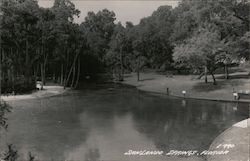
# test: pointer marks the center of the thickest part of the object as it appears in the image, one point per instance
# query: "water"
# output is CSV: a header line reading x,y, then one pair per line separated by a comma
x,y
103,123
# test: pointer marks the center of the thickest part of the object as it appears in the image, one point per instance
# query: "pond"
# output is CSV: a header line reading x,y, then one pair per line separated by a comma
x,y
105,121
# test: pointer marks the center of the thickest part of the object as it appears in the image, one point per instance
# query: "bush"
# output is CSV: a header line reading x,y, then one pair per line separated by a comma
x,y
21,85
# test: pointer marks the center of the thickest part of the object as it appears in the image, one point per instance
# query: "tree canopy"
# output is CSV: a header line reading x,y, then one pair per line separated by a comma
x,y
40,43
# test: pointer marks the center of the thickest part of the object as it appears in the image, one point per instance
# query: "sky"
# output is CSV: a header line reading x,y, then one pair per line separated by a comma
x,y
125,10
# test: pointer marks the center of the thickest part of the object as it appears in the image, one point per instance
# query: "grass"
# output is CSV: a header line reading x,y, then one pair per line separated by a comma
x,y
155,82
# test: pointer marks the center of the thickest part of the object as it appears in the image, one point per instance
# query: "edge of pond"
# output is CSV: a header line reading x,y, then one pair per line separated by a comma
x,y
181,97
50,91
60,91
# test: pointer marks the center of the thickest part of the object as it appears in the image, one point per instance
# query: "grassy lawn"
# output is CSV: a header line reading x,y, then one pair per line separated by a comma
x,y
195,88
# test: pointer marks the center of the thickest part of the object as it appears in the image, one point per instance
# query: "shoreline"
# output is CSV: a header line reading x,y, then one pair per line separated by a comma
x,y
158,84
190,98
48,91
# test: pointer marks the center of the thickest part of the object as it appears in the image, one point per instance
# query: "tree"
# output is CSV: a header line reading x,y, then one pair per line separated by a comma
x,y
45,42
98,28
229,18
150,41
18,34
116,53
138,58
200,51
155,34
185,22
68,43
46,45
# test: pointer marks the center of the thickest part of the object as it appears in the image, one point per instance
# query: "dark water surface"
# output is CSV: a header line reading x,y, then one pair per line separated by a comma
x,y
103,123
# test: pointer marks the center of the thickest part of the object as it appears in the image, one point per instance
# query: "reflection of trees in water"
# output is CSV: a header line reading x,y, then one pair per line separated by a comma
x,y
105,105
92,155
51,131
66,123
174,126
4,108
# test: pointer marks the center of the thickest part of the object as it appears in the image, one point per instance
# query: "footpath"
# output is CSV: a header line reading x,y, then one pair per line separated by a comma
x,y
47,91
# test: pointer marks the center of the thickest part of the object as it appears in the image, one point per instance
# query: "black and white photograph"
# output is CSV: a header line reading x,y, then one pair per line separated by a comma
x,y
124,80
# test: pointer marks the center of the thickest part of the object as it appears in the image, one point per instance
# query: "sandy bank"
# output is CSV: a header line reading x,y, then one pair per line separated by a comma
x,y
48,91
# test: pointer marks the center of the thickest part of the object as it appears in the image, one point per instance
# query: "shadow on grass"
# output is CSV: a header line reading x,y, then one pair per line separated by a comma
x,y
146,79
207,87
236,76
127,76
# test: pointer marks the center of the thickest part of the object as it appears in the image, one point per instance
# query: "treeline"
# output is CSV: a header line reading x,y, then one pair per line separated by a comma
x,y
37,40
46,43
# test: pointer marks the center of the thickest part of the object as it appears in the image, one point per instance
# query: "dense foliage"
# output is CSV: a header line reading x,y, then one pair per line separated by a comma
x,y
45,43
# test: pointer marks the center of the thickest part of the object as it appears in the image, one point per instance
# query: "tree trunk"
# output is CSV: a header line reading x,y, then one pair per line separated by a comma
x,y
42,75
12,74
54,76
73,77
66,69
27,63
138,69
36,68
78,73
1,75
44,68
73,64
113,74
226,72
35,73
61,81
121,60
214,83
205,74
13,79
138,75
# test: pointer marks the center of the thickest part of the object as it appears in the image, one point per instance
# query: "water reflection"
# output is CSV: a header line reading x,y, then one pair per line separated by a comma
x,y
99,124
46,127
92,155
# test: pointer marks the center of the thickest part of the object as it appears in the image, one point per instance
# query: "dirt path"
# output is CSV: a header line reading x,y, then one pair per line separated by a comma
x,y
48,91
